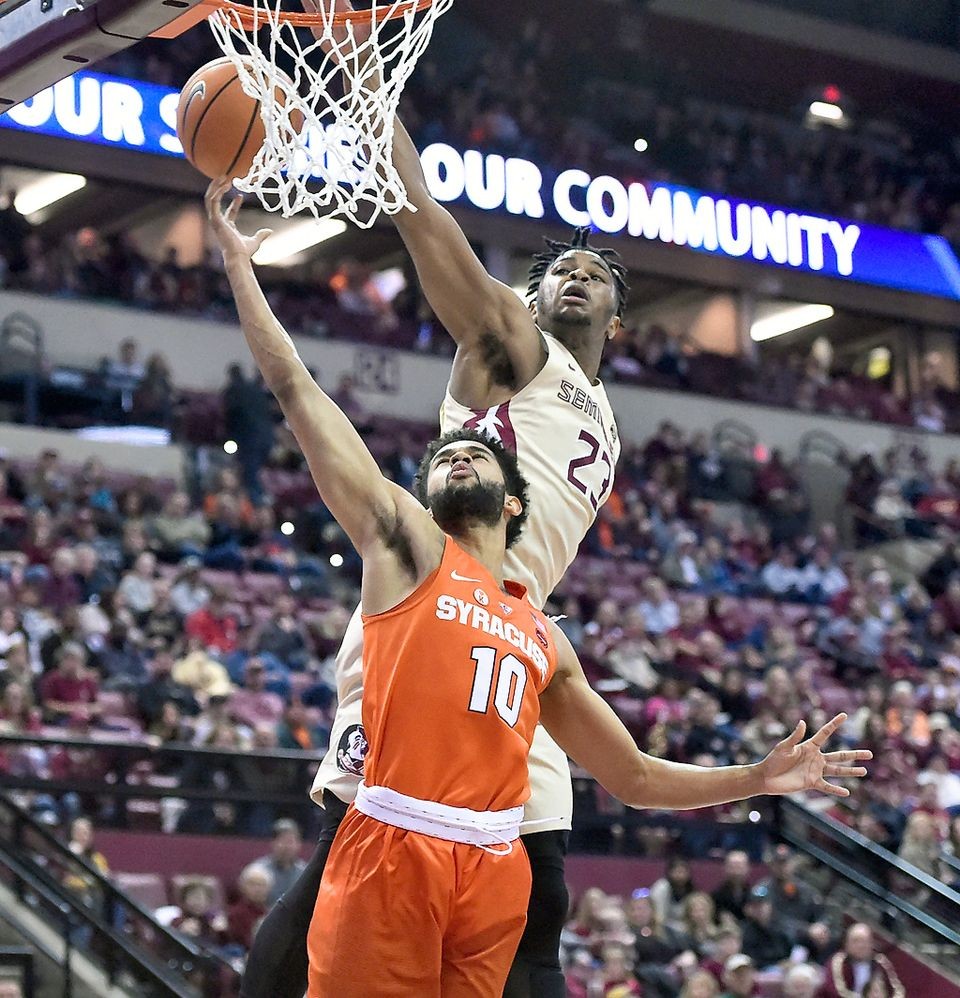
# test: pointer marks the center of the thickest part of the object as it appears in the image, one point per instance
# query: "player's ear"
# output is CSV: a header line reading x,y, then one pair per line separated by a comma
x,y
512,506
615,324
532,306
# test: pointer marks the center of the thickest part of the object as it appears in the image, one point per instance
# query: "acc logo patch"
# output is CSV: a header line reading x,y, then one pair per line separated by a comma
x,y
351,750
481,597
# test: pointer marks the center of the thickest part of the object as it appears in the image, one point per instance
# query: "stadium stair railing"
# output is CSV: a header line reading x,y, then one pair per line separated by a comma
x,y
95,918
918,911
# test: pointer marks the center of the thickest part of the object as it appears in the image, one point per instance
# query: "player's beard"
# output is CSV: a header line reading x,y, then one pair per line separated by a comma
x,y
455,507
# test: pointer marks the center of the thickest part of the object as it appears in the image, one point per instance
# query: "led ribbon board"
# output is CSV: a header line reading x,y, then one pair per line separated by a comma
x,y
127,114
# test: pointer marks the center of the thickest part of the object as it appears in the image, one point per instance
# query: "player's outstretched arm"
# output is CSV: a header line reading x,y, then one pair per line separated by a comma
x,y
471,305
363,502
588,730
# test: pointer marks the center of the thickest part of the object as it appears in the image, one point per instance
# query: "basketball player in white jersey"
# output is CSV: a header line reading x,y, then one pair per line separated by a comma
x,y
528,377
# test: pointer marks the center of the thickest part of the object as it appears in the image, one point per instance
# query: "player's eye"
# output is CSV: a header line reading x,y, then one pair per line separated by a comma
x,y
597,277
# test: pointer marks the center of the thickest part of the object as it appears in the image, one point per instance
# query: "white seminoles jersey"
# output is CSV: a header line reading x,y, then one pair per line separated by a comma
x,y
565,438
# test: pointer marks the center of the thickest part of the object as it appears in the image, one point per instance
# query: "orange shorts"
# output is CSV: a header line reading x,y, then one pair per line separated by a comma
x,y
404,914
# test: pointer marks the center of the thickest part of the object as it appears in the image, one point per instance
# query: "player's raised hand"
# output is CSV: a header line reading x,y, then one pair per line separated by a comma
x,y
224,222
801,765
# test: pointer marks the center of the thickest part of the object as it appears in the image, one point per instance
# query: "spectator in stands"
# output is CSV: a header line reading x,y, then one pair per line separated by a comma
x,y
586,926
615,978
161,688
124,373
295,731
214,625
921,844
283,862
905,720
203,674
660,613
284,637
796,906
245,914
939,775
153,396
94,577
781,578
178,533
70,690
699,921
654,943
802,980
852,969
668,894
763,940
253,704
61,588
163,624
17,668
739,977
189,593
138,586
732,892
17,712
701,985
822,578
199,919
121,659
248,420
11,630
81,844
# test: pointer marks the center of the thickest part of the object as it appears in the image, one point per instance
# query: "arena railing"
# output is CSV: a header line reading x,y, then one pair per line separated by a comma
x,y
260,786
118,773
116,933
917,909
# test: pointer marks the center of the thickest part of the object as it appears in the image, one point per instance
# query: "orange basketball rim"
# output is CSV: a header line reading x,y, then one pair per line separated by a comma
x,y
249,18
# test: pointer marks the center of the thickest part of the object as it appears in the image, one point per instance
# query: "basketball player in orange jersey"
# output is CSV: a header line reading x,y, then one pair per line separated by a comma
x,y
528,377
426,889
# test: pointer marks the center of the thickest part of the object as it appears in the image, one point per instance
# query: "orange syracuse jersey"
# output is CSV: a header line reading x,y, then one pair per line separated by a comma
x,y
451,684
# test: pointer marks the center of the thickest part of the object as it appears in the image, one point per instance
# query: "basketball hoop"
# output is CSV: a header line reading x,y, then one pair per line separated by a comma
x,y
339,161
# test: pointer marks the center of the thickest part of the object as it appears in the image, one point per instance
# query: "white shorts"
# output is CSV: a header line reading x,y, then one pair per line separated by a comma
x,y
551,793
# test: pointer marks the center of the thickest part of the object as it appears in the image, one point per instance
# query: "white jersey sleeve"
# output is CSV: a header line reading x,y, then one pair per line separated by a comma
x,y
562,429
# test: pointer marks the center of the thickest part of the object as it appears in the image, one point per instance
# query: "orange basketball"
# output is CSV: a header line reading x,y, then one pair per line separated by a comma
x,y
218,124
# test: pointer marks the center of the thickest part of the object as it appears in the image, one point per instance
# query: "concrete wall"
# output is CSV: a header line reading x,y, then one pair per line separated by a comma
x,y
409,385
24,442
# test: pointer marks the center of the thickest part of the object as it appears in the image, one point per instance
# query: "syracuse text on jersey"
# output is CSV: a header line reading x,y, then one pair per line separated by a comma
x,y
469,614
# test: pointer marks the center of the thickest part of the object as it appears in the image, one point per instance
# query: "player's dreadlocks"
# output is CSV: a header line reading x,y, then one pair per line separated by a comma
x,y
556,249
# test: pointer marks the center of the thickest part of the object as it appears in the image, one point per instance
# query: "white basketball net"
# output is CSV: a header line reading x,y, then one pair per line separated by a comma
x,y
339,162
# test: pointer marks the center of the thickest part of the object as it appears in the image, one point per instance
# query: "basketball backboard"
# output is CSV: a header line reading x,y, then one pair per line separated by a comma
x,y
43,41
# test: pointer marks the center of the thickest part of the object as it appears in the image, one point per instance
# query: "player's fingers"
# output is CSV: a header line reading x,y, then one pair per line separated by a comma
x,y
795,736
832,789
218,187
824,734
843,772
259,237
234,210
849,755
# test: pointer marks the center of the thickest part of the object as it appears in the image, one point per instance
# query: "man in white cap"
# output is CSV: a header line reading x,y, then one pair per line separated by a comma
x,y
739,977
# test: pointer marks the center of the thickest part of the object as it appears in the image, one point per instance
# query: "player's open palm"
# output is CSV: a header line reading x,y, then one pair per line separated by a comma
x,y
802,765
224,222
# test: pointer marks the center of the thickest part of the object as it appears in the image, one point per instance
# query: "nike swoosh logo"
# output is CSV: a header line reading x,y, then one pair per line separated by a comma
x,y
457,577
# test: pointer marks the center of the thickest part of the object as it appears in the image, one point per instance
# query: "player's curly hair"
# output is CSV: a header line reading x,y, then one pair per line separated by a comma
x,y
580,241
514,482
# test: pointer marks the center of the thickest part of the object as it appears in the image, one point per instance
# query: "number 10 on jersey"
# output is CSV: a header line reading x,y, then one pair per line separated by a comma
x,y
509,679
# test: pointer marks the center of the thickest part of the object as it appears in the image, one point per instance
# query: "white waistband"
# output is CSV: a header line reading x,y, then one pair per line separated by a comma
x,y
455,824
